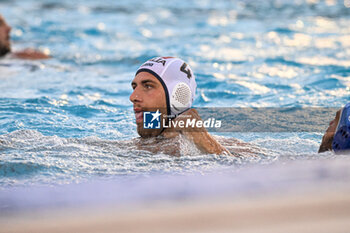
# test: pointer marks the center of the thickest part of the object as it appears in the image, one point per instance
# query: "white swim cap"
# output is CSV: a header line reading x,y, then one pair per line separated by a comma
x,y
177,80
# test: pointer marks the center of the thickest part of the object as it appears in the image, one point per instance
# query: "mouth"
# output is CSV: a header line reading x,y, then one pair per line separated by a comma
x,y
138,115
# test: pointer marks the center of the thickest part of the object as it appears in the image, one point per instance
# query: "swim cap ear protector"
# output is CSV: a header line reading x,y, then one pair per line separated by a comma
x,y
341,140
177,80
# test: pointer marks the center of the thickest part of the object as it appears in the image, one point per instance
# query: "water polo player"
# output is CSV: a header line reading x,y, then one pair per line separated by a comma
x,y
166,86
5,45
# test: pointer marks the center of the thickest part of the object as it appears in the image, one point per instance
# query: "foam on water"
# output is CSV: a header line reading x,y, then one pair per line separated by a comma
x,y
29,157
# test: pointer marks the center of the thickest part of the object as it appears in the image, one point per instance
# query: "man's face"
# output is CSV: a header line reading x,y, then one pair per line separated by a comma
x,y
5,29
148,95
327,139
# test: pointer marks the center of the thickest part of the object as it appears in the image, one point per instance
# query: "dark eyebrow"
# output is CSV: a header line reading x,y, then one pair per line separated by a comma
x,y
148,81
144,82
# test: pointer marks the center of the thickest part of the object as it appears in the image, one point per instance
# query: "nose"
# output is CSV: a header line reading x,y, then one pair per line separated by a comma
x,y
135,96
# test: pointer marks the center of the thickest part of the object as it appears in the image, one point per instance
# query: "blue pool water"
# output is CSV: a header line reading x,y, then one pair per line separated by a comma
x,y
69,119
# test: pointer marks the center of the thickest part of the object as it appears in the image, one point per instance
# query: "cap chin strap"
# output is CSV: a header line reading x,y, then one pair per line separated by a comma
x,y
176,115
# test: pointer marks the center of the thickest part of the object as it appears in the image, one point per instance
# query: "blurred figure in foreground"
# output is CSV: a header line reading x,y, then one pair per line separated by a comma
x,y
5,45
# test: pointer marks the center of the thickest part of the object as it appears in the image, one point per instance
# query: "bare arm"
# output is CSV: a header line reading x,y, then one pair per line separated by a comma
x,y
199,136
30,54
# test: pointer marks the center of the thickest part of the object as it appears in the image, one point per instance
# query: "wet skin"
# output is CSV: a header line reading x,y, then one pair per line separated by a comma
x,y
148,95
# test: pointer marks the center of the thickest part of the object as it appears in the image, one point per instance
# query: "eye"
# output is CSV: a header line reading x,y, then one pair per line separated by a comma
x,y
148,86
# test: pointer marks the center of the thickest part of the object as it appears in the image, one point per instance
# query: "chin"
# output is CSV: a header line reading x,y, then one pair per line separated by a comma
x,y
146,133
